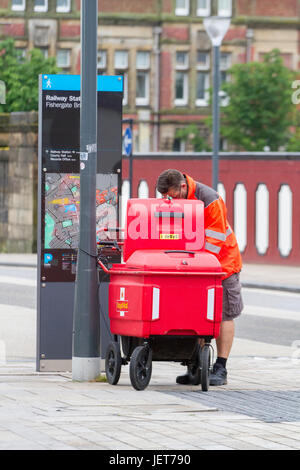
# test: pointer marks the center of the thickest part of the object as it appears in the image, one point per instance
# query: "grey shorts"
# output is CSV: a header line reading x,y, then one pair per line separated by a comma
x,y
232,297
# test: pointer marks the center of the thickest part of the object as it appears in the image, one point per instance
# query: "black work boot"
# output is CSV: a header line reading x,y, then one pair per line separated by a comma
x,y
184,379
218,376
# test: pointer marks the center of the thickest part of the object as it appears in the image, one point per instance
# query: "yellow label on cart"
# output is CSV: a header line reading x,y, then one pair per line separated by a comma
x,y
169,236
122,305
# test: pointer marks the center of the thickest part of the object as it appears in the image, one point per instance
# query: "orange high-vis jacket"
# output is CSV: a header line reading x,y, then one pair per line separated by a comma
x,y
219,236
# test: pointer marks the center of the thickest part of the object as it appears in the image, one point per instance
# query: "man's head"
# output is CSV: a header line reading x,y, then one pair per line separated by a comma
x,y
172,183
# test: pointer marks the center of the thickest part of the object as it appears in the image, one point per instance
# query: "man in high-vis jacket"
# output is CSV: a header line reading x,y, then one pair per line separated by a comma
x,y
221,241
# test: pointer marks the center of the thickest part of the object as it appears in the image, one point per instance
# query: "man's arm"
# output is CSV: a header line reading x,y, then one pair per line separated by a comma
x,y
215,226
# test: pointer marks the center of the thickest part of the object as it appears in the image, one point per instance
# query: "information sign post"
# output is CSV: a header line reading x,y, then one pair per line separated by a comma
x,y
59,205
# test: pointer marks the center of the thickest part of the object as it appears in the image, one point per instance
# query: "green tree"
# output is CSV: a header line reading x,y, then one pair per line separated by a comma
x,y
260,108
20,76
294,142
191,134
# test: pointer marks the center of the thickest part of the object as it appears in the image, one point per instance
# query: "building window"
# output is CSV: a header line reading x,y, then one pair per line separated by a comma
x,y
40,5
203,78
182,60
203,60
142,78
63,6
121,68
179,145
181,89
203,7
182,7
202,91
18,5
143,60
63,58
101,62
181,78
225,64
121,60
225,8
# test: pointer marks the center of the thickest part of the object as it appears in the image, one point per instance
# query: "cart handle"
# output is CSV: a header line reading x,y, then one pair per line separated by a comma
x,y
156,273
113,244
181,251
111,229
110,243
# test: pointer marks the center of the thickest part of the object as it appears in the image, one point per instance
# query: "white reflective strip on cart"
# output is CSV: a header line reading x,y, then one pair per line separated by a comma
x,y
122,293
210,304
155,303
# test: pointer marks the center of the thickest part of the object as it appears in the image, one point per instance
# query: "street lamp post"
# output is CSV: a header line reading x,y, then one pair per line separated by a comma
x,y
86,329
216,28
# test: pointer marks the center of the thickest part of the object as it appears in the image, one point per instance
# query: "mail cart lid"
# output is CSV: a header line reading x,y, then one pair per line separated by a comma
x,y
173,260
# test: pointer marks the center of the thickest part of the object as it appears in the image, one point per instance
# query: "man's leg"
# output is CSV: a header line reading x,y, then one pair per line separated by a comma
x,y
232,308
224,345
225,339
218,375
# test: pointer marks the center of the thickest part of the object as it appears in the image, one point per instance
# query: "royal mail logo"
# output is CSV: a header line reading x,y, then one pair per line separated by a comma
x,y
122,305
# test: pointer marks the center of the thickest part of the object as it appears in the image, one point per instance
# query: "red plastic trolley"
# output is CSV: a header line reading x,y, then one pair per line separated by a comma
x,y
166,294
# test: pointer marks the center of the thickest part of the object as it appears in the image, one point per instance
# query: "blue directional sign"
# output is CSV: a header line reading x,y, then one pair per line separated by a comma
x,y
73,83
127,142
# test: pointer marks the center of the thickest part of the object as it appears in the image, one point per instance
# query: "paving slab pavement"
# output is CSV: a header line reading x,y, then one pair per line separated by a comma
x,y
258,409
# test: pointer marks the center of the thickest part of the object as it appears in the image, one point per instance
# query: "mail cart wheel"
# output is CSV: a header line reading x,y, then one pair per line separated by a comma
x,y
205,367
113,363
140,368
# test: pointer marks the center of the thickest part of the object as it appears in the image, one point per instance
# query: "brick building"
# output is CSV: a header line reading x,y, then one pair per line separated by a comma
x,y
161,48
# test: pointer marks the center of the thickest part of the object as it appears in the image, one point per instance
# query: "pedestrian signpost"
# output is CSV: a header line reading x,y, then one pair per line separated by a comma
x,y
127,142
59,205
128,148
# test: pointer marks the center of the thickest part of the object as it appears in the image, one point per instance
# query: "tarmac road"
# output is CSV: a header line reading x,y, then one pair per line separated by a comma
x,y
270,316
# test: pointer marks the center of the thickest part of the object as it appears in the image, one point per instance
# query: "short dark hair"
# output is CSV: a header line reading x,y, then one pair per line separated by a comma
x,y
169,179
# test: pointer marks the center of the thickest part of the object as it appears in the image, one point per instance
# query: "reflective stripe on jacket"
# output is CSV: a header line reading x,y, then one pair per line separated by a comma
x,y
219,236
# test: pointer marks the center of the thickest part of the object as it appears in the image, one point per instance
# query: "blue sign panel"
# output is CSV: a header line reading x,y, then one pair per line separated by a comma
x,y
73,83
127,142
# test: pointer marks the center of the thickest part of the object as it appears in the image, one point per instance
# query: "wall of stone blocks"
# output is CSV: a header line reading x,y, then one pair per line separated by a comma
x,y
18,158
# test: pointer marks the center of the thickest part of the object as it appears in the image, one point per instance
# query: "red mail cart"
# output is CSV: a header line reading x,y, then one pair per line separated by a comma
x,y
167,293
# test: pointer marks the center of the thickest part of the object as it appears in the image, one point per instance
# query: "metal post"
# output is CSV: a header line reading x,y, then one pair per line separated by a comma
x,y
130,160
130,122
157,33
216,117
86,333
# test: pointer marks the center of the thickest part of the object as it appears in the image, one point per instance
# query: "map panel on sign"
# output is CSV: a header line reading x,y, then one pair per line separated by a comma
x,y
62,209
62,192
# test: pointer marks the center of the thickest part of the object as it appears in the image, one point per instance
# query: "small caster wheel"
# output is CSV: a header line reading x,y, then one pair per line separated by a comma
x,y
113,363
140,368
205,367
